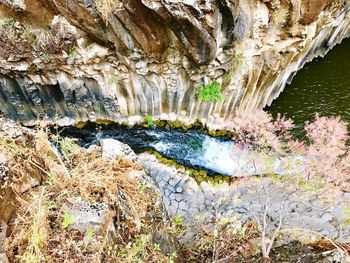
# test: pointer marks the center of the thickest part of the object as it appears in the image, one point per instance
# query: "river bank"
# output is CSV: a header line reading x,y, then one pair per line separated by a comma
x,y
191,209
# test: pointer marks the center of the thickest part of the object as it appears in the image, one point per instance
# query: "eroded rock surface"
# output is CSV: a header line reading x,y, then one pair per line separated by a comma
x,y
88,60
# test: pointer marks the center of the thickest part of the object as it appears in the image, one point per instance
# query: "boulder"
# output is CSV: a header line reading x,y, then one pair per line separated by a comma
x,y
113,149
86,216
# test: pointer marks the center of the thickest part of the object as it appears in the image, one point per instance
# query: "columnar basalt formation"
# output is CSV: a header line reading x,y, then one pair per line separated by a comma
x,y
111,59
306,214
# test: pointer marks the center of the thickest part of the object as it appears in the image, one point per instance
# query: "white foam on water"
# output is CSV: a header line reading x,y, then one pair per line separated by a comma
x,y
223,157
227,158
161,146
157,135
216,156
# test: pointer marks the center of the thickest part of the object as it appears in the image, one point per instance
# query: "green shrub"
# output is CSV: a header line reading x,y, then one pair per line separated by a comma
x,y
210,92
67,220
114,80
7,26
149,120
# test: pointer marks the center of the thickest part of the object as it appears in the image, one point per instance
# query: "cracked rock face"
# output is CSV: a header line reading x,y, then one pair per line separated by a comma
x,y
88,60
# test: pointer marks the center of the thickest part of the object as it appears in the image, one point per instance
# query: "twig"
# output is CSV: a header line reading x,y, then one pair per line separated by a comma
x,y
278,227
314,232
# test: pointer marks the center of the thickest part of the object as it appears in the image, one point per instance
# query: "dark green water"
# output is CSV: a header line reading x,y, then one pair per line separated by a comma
x,y
322,86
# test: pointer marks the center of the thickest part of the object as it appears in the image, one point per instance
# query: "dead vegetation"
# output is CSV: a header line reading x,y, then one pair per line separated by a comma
x,y
36,45
106,8
42,180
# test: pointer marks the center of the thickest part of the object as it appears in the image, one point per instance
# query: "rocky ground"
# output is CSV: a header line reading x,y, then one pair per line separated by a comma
x,y
62,203
305,217
194,210
183,196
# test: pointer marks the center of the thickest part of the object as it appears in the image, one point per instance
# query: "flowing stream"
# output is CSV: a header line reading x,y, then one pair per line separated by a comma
x,y
216,155
191,148
323,86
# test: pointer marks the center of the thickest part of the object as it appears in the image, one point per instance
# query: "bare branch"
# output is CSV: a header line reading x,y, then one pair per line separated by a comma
x,y
278,227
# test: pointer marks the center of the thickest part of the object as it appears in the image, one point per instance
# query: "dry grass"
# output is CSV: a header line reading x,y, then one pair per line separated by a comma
x,y
37,230
44,179
42,39
32,224
225,240
280,17
106,8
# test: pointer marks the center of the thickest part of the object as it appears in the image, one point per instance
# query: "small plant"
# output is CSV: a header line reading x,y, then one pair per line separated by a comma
x,y
156,247
216,184
67,146
210,92
177,225
67,220
149,120
7,25
89,47
44,56
138,249
72,52
179,220
28,35
7,21
280,17
115,80
346,215
172,257
143,186
89,235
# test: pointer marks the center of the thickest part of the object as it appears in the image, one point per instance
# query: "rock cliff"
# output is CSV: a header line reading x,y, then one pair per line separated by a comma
x,y
77,60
